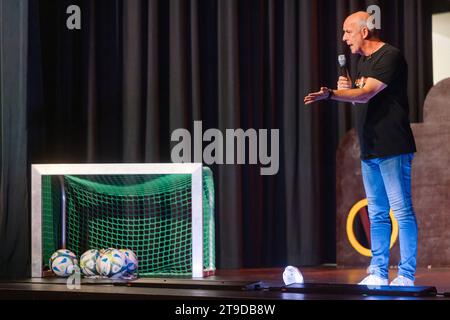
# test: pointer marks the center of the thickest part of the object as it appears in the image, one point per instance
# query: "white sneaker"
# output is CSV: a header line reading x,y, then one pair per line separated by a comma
x,y
374,280
402,281
292,275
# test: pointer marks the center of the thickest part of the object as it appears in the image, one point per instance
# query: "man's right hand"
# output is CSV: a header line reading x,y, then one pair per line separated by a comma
x,y
344,83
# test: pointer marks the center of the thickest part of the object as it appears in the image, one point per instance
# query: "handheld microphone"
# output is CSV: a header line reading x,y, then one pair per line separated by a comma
x,y
343,71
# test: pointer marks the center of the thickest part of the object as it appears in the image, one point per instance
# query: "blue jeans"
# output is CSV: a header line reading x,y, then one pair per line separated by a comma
x,y
387,182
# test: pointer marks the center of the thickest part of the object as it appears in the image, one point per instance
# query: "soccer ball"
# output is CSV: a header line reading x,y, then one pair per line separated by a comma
x,y
88,261
103,251
112,264
63,262
131,260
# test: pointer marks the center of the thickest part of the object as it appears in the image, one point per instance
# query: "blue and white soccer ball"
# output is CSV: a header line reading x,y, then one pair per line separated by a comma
x,y
103,251
112,264
88,262
131,260
63,262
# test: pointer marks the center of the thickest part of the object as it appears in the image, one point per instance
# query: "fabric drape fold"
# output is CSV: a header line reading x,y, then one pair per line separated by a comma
x,y
14,176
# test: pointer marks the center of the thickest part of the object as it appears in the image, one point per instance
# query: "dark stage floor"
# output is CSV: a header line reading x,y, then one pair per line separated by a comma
x,y
321,283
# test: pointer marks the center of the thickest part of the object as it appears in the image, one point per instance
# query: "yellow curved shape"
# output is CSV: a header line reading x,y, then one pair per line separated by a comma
x,y
351,235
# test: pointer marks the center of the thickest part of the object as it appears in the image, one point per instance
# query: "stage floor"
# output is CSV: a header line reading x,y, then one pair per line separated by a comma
x,y
244,284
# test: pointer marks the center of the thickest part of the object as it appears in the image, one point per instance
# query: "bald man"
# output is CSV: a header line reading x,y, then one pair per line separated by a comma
x,y
379,95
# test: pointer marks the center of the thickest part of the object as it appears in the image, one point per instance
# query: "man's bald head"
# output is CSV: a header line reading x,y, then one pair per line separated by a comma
x,y
359,19
359,31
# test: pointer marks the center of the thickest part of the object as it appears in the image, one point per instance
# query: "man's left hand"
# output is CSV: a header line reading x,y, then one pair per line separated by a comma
x,y
317,96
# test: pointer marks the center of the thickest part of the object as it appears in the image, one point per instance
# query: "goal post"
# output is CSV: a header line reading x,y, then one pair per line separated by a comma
x,y
164,212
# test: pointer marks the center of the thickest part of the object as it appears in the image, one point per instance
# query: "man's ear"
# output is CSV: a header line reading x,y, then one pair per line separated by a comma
x,y
365,33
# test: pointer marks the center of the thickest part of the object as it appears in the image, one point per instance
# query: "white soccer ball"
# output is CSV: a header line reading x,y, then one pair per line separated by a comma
x,y
112,264
131,260
63,262
103,251
88,262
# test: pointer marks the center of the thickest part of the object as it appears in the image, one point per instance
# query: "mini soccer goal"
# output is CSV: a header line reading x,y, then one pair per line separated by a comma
x,y
163,212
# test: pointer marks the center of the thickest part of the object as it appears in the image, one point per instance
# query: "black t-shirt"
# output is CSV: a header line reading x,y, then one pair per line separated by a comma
x,y
383,123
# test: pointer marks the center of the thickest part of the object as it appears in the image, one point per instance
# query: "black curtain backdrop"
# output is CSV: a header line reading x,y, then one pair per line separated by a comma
x,y
137,70
14,196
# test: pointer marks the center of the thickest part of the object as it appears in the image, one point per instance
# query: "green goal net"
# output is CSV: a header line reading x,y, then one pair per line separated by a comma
x,y
149,214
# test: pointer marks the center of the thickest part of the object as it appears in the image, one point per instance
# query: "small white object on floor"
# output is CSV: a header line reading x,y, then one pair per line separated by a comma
x,y
292,275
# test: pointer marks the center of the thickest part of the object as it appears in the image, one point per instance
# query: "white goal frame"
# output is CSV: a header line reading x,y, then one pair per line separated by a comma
x,y
39,170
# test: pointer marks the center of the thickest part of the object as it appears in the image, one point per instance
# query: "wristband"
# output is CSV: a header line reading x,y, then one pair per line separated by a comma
x,y
330,94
